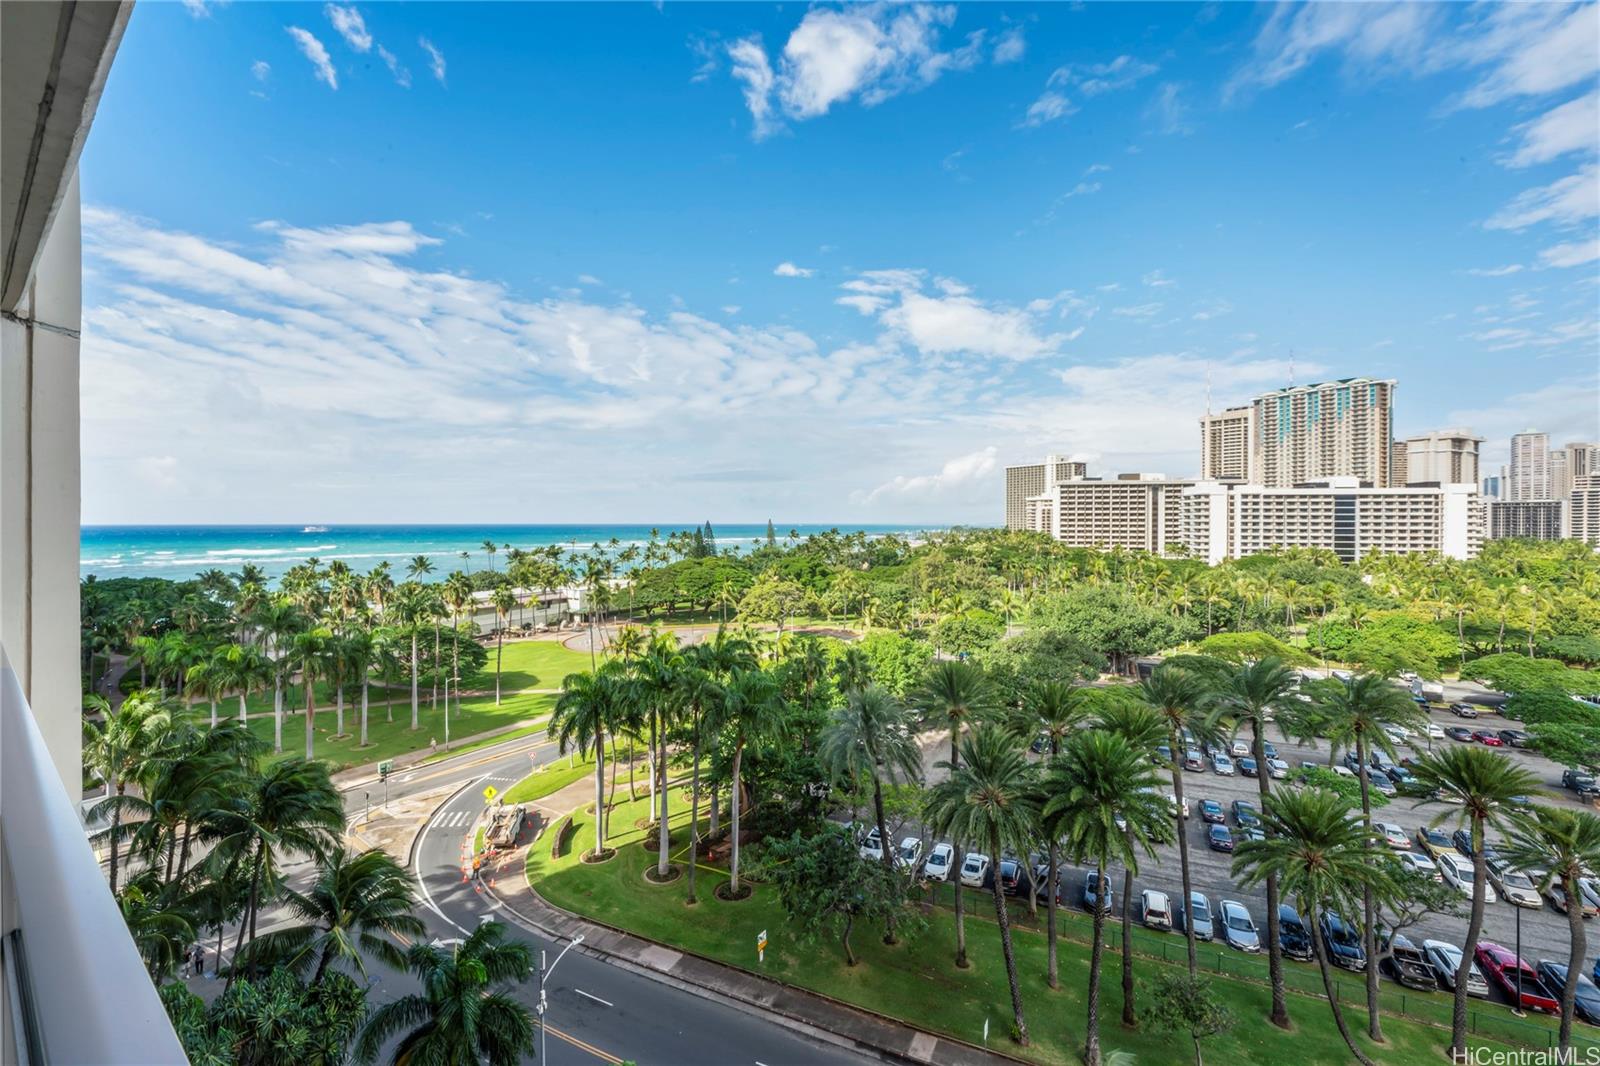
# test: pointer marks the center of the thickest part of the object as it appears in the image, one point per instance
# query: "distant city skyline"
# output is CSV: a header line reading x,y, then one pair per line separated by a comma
x,y
522,263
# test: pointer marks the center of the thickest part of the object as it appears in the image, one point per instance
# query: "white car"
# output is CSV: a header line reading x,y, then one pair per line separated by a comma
x,y
1172,805
974,869
1393,835
872,846
1435,731
1446,960
1221,764
1515,886
1457,873
908,853
1421,864
1398,733
1239,749
1277,769
1156,909
940,859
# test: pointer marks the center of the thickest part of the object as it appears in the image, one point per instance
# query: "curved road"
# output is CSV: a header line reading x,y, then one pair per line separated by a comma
x,y
598,1012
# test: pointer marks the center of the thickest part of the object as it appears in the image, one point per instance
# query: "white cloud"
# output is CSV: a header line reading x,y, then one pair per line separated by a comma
x,y
589,279
435,59
955,473
1371,37
1495,272
260,70
314,51
787,269
1531,50
1565,202
1138,310
350,25
1572,253
401,75
1096,168
1097,78
869,53
948,321
1156,279
1050,106
196,8
1009,46
1168,110
1572,127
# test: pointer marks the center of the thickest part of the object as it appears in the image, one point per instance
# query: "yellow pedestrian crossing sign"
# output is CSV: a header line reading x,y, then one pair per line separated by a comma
x,y
490,793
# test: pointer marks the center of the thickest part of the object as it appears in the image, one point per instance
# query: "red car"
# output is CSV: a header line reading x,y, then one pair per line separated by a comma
x,y
1486,738
1501,964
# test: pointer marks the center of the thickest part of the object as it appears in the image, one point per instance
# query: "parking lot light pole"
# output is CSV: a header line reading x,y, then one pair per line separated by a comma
x,y
544,975
1516,1008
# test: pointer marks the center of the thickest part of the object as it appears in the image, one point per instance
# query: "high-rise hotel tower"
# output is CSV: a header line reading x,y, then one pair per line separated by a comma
x,y
1330,429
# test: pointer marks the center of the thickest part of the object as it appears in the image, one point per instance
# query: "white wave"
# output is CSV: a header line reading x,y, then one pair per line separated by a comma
x,y
287,552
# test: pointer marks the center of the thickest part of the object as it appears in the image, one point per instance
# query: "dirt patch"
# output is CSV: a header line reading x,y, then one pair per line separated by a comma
x,y
591,859
673,873
724,892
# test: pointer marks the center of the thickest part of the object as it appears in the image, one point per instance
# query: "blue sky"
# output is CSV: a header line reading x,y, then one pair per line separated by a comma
x,y
434,262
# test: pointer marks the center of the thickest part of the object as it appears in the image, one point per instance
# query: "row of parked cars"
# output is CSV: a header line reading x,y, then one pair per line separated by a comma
x,y
1225,758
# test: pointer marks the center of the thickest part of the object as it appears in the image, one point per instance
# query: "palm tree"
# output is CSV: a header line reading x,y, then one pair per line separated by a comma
x,y
1100,778
116,751
852,670
1247,695
751,709
1178,695
458,599
1566,845
245,667
505,601
657,676
1052,709
585,710
1320,856
489,548
280,621
465,1012
205,680
312,651
956,695
1485,789
1355,716
410,607
699,691
157,921
355,899
990,797
870,736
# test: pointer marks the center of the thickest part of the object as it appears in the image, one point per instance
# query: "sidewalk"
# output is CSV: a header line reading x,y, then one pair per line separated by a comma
x,y
816,1015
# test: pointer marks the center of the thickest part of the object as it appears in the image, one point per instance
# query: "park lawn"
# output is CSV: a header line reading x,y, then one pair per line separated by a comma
x,y
386,739
528,664
554,777
916,980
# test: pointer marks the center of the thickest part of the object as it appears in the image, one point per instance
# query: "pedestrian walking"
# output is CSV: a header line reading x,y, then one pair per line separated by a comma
x,y
433,745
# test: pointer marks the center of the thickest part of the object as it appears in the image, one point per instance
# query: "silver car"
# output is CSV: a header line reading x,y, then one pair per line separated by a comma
x,y
1238,928
1445,958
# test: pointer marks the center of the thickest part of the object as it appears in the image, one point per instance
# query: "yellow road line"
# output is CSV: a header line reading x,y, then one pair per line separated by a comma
x,y
604,1056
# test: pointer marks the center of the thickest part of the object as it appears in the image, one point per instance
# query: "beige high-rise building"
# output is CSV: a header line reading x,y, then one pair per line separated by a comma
x,y
1398,466
1330,429
1138,512
1583,509
1227,444
1528,477
1031,480
1443,457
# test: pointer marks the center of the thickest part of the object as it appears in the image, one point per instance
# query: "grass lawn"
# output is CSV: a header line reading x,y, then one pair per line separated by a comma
x,y
529,664
916,979
386,739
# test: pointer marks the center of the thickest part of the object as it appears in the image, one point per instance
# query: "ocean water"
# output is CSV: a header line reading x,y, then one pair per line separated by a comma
x,y
180,552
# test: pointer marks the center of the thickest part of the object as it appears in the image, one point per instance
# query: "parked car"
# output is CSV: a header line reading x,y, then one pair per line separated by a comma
x,y
1503,967
1269,749
1514,886
1588,904
1393,835
1219,838
1294,939
975,870
1199,912
1435,732
1404,780
1238,928
1459,732
1586,1000
1239,748
1463,710
1014,878
1211,811
909,853
1462,839
1155,909
872,846
939,861
1092,896
1435,841
1247,766
1192,760
1487,737
1419,864
1342,943
1221,764
1582,782
1172,806
1244,814
1445,958
1515,738
1277,769
1163,755
1406,963
1458,874
1379,782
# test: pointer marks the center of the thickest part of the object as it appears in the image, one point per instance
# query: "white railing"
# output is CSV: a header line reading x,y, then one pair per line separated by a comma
x,y
76,989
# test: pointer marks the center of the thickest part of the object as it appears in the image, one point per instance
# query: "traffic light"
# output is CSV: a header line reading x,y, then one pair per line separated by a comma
x,y
384,768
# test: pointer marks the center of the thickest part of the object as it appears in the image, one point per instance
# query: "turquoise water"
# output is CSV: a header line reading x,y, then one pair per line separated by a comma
x,y
180,552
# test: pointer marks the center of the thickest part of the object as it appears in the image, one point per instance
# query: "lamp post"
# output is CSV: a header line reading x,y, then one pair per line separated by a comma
x,y
1516,1008
447,682
544,974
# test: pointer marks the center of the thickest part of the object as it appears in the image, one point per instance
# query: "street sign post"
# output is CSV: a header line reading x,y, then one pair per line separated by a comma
x,y
761,946
384,769
490,793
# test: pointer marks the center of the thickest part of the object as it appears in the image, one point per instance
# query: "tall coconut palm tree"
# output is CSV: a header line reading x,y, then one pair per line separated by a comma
x,y
359,904
359,655
458,600
585,711
116,750
990,798
1565,844
956,695
465,1013
699,691
852,670
1053,710
245,668
1100,778
1483,789
418,568
157,921
870,737
1246,696
280,620
751,709
312,651
1319,855
505,601
1355,716
657,676
1178,695
410,608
